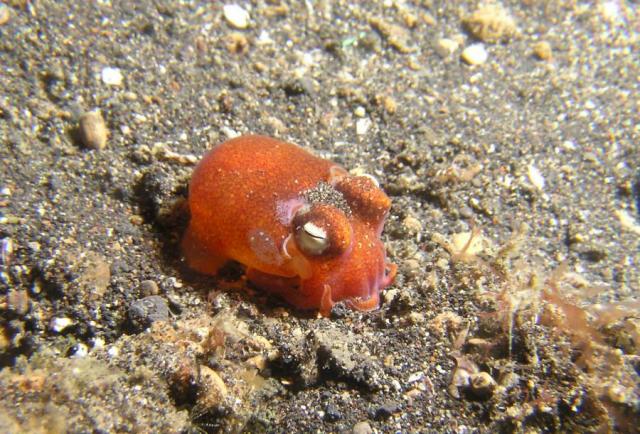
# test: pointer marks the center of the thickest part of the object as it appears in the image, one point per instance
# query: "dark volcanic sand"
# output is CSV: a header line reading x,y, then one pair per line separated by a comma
x,y
88,233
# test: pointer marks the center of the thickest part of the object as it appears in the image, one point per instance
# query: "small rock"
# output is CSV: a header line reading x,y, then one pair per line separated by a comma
x,y
412,225
618,394
475,54
113,351
416,318
98,343
389,295
543,50
57,325
398,37
490,23
6,251
130,96
343,357
468,244
331,413
144,312
18,301
362,126
297,360
412,266
466,211
340,310
5,14
445,47
149,287
482,384
237,43
111,76
95,276
93,131
276,124
390,104
119,266
5,342
627,221
156,193
360,112
236,16
299,86
593,253
610,11
212,388
386,410
362,428
535,177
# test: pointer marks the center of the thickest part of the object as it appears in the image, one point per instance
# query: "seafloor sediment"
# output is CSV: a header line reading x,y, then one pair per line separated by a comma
x,y
506,136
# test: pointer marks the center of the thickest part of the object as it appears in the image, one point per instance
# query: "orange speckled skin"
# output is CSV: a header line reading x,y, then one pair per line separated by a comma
x,y
243,198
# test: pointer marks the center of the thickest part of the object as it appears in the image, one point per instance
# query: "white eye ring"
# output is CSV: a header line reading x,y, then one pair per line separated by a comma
x,y
312,239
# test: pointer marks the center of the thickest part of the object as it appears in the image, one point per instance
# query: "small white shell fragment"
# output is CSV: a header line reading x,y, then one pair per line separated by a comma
x,y
475,54
236,16
229,132
627,221
610,11
93,130
445,47
57,325
98,343
535,177
111,76
460,243
362,126
5,14
6,250
416,376
113,351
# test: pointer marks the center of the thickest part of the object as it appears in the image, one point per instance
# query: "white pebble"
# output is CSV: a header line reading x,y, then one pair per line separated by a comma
x,y
627,221
6,250
416,376
535,177
93,130
59,324
236,16
98,343
5,14
229,132
445,47
362,126
475,54
111,76
610,11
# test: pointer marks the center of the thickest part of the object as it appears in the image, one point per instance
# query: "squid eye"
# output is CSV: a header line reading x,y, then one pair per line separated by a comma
x,y
322,231
312,239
